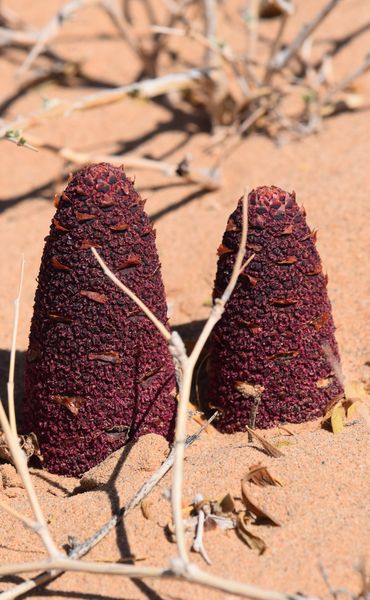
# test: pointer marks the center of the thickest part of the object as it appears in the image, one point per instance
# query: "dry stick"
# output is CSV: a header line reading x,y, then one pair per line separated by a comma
x,y
347,80
148,88
281,59
188,364
17,37
210,18
193,575
53,26
20,462
10,386
275,48
208,179
83,548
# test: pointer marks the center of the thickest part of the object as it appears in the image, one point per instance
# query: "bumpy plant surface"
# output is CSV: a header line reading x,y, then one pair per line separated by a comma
x,y
272,352
98,373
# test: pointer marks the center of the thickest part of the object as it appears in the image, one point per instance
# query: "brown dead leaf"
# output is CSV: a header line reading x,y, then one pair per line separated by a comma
x,y
251,506
260,475
227,504
252,541
270,449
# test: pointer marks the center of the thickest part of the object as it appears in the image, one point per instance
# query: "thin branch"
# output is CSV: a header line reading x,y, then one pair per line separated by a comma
x,y
52,28
10,386
206,178
281,59
347,80
17,37
188,364
21,465
192,574
148,88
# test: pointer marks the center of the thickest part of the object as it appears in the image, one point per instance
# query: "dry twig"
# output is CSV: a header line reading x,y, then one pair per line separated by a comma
x,y
148,88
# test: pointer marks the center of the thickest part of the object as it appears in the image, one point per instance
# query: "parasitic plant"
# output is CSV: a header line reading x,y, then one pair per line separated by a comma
x,y
272,352
98,373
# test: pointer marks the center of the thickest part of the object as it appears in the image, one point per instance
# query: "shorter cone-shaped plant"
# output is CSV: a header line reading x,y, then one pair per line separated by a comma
x,y
98,373
273,355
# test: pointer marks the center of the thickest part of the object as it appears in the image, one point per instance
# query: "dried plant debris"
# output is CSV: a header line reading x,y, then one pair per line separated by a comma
x,y
98,373
267,446
28,443
244,533
271,354
251,505
260,475
343,410
230,512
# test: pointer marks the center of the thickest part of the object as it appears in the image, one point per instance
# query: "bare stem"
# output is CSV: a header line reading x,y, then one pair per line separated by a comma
x,y
10,386
21,465
281,59
148,88
347,80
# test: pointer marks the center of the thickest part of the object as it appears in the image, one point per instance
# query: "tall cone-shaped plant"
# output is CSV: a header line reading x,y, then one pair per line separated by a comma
x,y
98,372
272,353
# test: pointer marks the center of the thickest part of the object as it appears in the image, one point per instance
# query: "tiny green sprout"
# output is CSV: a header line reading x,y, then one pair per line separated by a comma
x,y
309,96
13,134
22,141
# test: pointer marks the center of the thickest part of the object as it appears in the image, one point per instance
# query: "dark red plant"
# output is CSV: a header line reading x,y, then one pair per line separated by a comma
x,y
272,352
98,373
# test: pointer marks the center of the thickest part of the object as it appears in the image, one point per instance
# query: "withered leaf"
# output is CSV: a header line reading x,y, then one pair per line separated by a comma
x,y
288,260
284,355
72,403
260,475
253,327
107,201
270,449
58,265
254,247
251,505
316,271
286,231
86,244
227,504
320,321
82,217
312,234
284,301
119,226
253,541
252,280
231,226
222,249
131,261
58,226
100,298
249,389
59,318
109,357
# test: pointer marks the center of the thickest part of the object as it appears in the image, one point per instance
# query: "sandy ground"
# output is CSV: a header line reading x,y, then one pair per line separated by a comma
x,y
322,505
